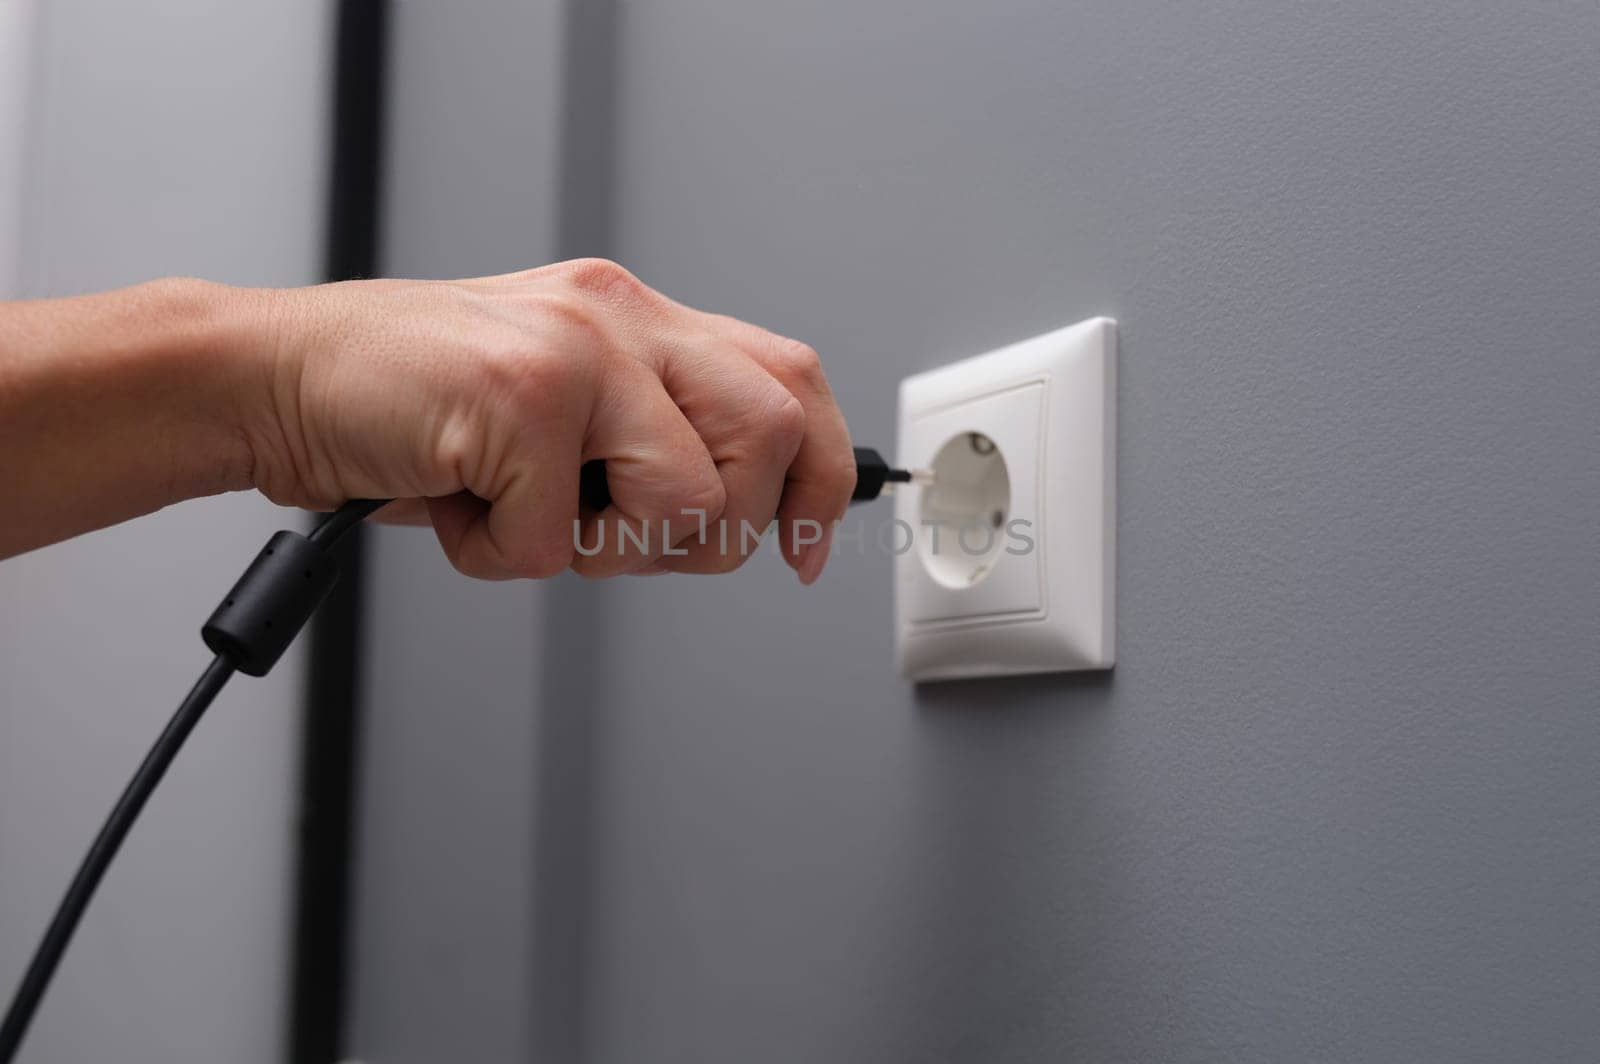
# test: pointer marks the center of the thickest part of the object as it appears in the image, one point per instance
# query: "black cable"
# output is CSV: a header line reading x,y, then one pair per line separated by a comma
x,y
94,865
335,525
249,631
281,587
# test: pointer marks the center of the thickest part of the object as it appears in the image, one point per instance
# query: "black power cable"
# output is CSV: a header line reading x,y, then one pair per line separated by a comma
x,y
76,900
249,632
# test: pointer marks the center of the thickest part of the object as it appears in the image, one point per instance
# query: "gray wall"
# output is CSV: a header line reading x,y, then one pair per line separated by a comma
x,y
16,48
1339,799
443,919
156,138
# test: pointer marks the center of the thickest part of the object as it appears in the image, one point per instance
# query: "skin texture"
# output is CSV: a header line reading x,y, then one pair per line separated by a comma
x,y
473,403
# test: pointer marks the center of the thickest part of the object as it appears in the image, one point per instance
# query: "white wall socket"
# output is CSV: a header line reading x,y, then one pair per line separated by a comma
x,y
1011,559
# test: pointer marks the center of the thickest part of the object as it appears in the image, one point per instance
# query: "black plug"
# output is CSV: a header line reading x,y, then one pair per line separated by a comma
x,y
873,473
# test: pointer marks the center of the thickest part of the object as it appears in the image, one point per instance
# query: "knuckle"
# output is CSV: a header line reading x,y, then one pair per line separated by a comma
x,y
768,422
705,493
603,277
788,423
799,360
837,480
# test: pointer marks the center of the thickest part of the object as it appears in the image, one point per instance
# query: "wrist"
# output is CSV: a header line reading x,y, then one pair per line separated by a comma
x,y
213,351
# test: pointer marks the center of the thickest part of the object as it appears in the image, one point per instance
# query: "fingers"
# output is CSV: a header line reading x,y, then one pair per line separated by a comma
x,y
710,428
752,427
520,526
822,474
461,518
662,478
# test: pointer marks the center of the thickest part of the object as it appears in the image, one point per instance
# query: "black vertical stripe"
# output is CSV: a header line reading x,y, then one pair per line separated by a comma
x,y
329,737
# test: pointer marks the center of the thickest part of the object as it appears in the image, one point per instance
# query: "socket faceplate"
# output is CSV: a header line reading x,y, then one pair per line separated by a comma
x,y
1028,585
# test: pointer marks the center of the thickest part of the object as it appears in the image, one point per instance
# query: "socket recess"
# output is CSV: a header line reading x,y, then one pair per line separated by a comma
x,y
1011,560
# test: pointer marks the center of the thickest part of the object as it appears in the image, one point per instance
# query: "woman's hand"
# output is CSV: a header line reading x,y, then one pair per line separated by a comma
x,y
473,403
477,402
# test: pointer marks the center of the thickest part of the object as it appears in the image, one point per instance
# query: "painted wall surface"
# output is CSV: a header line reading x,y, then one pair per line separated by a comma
x,y
16,49
1338,800
172,138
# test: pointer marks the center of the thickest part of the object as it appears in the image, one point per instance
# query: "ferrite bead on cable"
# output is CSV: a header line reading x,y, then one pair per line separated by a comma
x,y
272,601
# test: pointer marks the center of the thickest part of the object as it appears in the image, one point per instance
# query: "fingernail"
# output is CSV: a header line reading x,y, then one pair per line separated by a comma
x,y
816,556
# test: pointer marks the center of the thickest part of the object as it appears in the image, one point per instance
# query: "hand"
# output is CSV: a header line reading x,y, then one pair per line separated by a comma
x,y
477,401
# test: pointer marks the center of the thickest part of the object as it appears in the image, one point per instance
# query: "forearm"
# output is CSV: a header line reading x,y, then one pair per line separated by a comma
x,y
117,404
